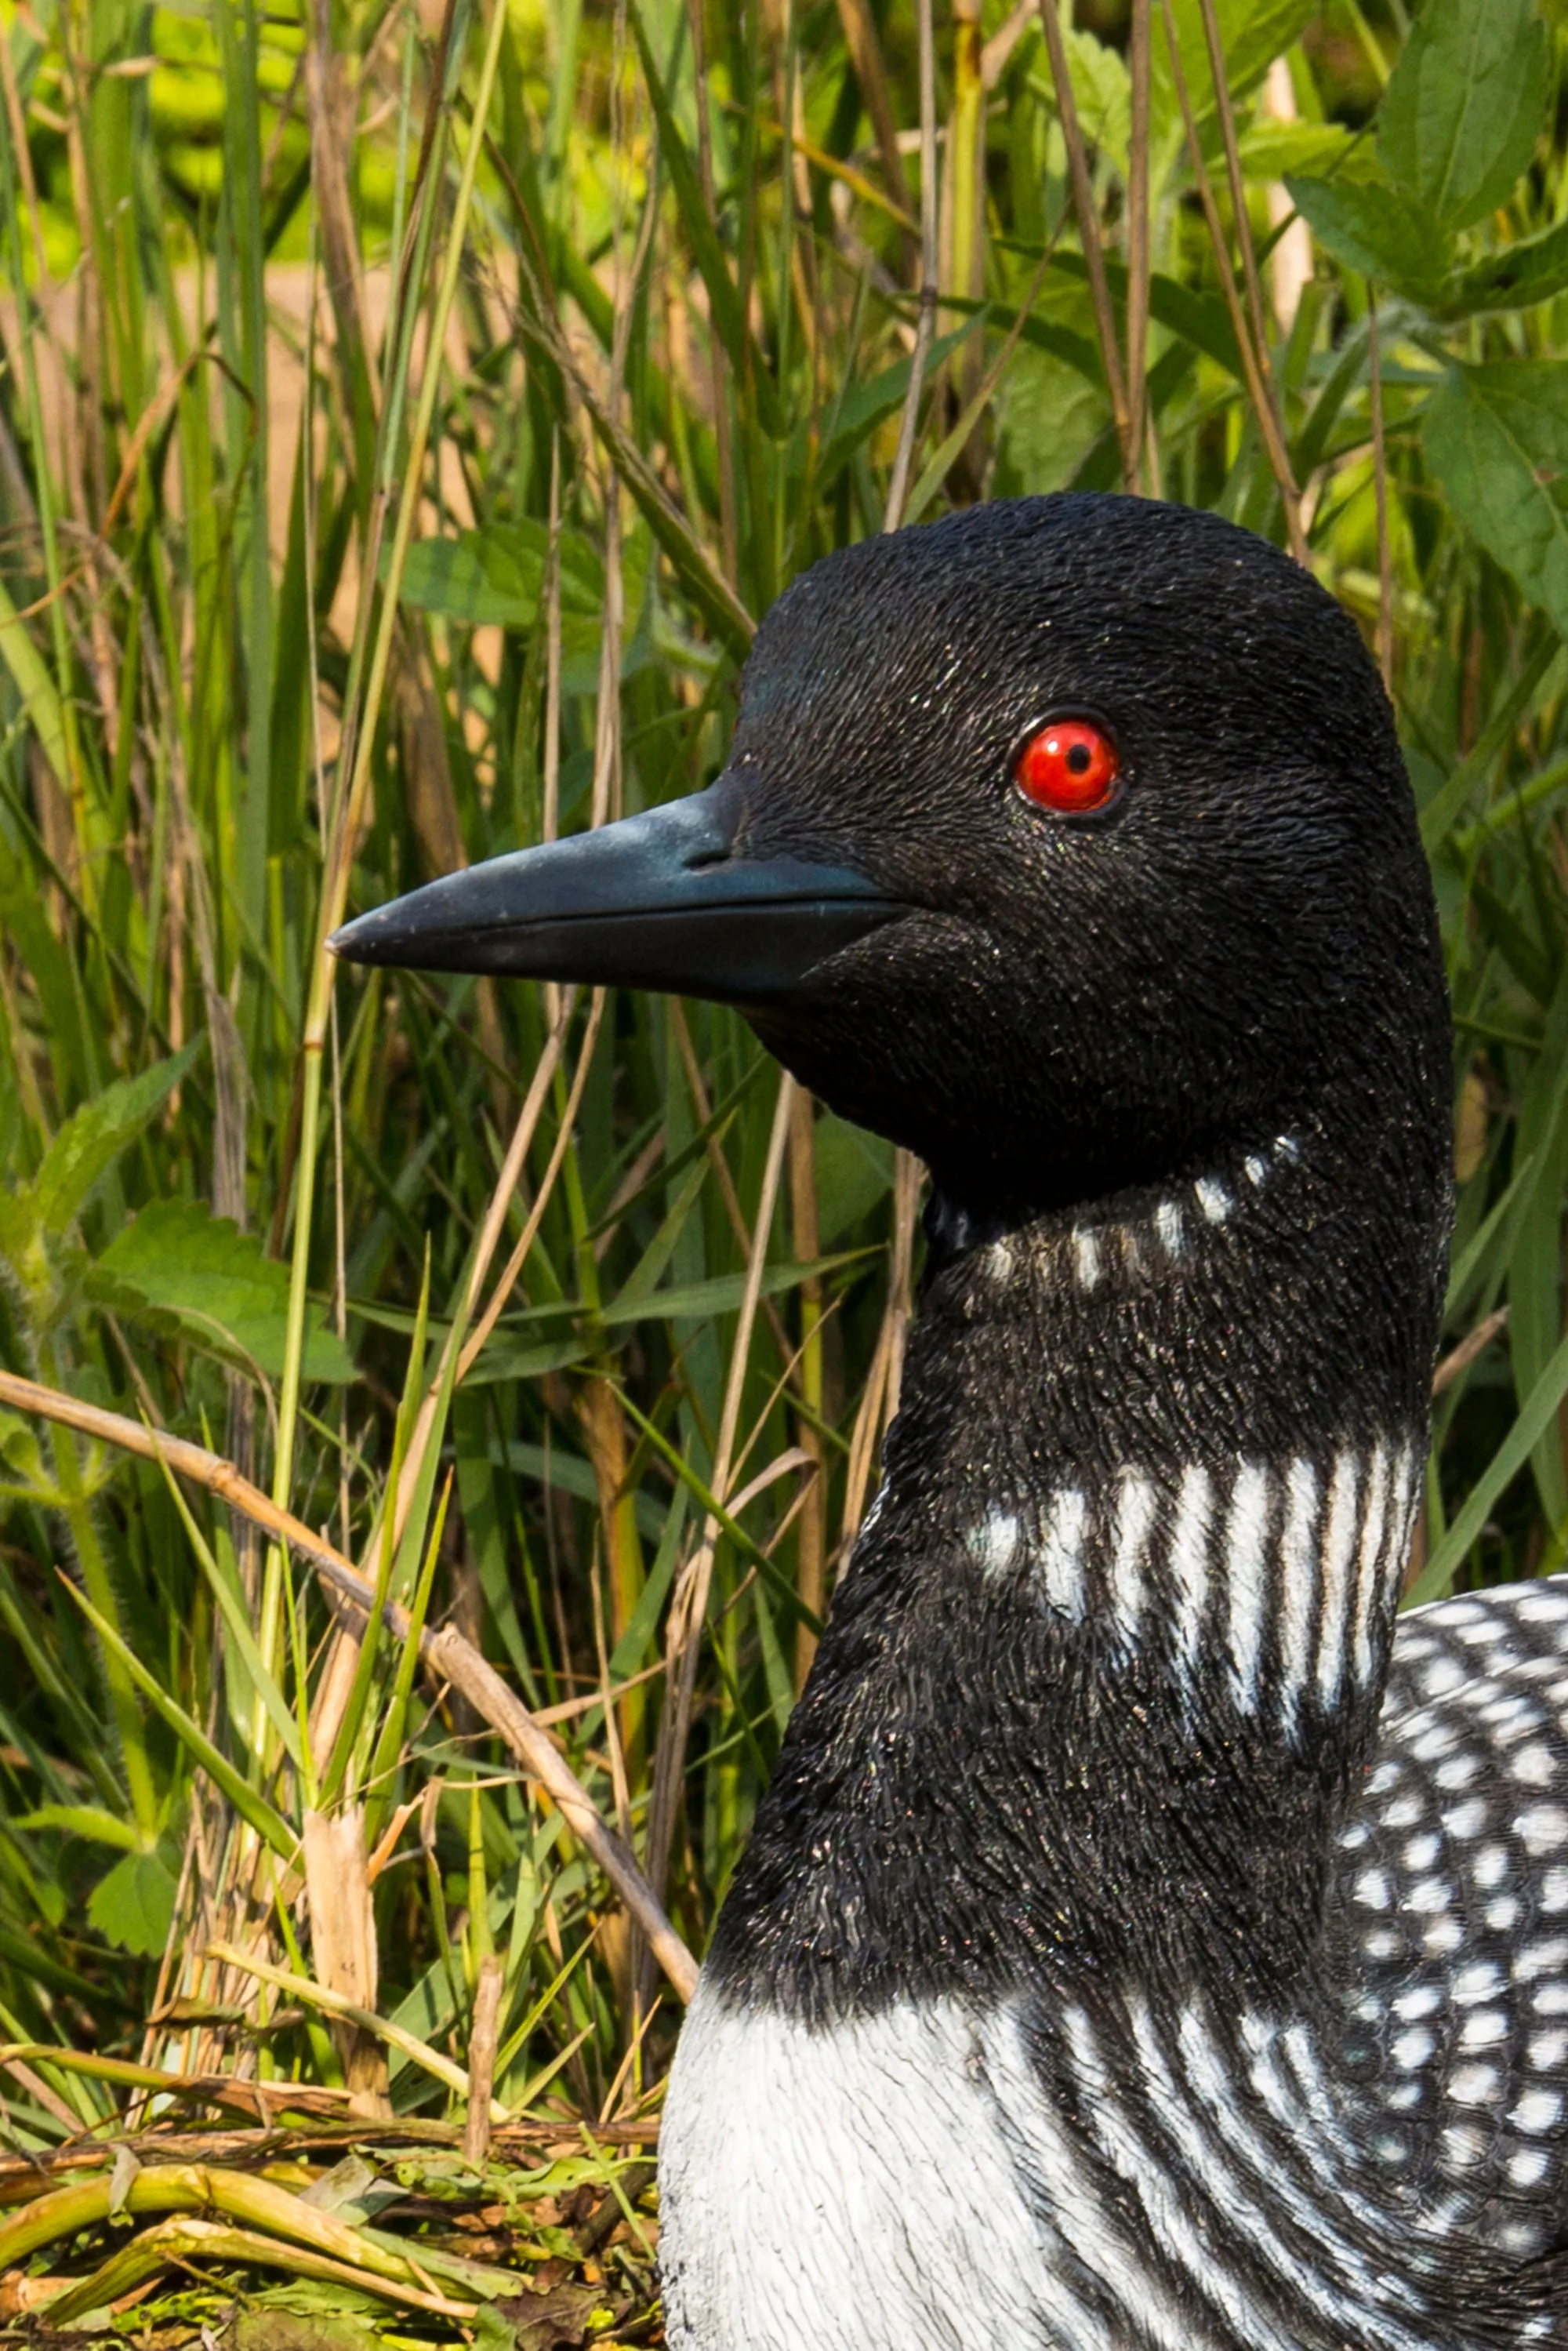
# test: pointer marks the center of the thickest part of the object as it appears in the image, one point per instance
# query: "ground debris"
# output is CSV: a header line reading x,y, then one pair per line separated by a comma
x,y
328,2240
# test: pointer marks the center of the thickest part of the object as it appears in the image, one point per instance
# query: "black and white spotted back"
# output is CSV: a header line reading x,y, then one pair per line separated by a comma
x,y
1449,1922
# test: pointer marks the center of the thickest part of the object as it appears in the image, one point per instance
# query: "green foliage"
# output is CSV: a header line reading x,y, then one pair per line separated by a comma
x,y
1464,107
180,1270
1496,436
133,1907
270,650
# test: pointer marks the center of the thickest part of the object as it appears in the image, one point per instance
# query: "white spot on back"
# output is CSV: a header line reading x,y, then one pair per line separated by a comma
x,y
1246,1578
1338,1544
1189,1564
993,1544
1134,1522
1299,1581
1369,1573
1061,1552
1212,1198
1543,1828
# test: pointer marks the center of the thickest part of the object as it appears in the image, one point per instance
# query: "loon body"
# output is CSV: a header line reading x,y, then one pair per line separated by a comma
x,y
1144,1944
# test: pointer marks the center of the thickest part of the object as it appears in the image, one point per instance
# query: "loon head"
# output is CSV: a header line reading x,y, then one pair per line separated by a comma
x,y
1066,841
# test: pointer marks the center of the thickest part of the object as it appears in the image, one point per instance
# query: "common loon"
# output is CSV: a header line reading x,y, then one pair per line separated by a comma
x,y
1144,1944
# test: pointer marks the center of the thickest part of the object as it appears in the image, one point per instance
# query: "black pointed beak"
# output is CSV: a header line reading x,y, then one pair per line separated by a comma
x,y
665,900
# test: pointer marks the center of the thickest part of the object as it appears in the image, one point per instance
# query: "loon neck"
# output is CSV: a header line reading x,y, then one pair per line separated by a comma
x,y
1114,1634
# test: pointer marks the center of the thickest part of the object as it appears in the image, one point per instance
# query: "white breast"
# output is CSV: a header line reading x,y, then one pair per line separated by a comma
x,y
900,2183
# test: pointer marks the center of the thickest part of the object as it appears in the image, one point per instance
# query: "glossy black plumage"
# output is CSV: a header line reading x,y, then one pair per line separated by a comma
x,y
1204,1999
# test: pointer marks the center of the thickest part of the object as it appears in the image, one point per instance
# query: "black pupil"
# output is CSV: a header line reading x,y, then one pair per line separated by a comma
x,y
1078,759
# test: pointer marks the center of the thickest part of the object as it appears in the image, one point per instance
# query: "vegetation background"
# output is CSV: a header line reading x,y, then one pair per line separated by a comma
x,y
405,413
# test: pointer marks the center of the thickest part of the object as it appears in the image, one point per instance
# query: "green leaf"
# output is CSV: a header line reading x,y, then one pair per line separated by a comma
x,y
1539,1414
177,1264
497,574
723,299
1272,150
864,406
1252,34
653,1263
1535,1321
89,1144
1465,105
89,1820
20,1455
723,1293
1532,271
262,1817
1496,439
855,1171
35,687
226,1589
133,1907
1372,228
1100,93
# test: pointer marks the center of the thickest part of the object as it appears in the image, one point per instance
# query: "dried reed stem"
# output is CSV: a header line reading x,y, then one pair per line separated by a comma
x,y
1380,487
1257,390
1255,309
1140,61
925,324
1088,235
688,1606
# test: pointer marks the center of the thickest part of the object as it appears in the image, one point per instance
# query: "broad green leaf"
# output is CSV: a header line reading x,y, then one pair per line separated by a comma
x,y
1252,34
1063,342
1102,94
89,1144
133,1906
1373,229
1049,413
1532,271
1465,105
20,1454
497,574
854,1169
176,1262
1200,318
1273,150
1496,439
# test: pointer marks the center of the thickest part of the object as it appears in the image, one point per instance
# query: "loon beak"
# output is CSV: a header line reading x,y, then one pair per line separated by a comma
x,y
665,900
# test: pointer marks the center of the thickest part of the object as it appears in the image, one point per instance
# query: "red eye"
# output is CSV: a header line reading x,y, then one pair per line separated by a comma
x,y
1068,766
